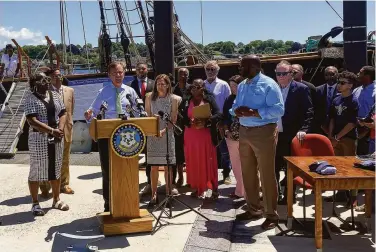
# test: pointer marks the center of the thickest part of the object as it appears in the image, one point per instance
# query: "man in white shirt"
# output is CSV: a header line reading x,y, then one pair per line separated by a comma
x,y
9,63
221,90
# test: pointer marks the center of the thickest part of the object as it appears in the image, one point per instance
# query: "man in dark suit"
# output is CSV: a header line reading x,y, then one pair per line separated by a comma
x,y
143,85
323,99
298,115
298,72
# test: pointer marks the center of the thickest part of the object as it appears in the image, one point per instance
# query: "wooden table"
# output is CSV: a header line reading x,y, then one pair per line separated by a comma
x,y
347,177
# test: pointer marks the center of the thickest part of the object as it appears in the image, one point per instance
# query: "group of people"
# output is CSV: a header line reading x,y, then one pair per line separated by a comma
x,y
252,121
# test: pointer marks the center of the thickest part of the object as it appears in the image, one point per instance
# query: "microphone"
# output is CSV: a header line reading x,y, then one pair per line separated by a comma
x,y
166,117
102,110
129,110
128,96
140,106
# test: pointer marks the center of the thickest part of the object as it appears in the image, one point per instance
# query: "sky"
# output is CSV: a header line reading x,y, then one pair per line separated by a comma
x,y
28,22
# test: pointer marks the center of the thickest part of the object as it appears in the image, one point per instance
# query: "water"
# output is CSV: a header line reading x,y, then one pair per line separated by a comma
x,y
83,71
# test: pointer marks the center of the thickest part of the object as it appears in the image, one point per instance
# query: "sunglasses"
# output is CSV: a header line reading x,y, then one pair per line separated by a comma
x,y
282,73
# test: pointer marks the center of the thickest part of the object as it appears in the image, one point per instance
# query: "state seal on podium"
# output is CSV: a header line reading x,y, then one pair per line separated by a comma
x,y
128,140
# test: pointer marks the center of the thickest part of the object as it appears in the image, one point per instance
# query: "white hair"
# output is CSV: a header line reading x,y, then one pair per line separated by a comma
x,y
213,63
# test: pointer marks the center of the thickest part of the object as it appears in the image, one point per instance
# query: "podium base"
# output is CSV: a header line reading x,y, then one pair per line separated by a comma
x,y
117,226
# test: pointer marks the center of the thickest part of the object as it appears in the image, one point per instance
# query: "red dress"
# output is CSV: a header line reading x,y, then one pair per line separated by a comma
x,y
200,157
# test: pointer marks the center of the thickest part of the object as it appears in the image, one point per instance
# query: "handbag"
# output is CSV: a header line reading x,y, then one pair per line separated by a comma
x,y
234,129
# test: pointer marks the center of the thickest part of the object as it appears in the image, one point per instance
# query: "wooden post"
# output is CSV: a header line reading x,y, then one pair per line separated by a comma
x,y
125,216
21,53
53,49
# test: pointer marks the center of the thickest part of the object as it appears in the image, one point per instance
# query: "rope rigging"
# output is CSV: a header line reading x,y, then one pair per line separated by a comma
x,y
334,10
83,30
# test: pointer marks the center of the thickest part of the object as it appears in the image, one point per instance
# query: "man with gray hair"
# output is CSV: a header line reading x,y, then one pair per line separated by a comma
x,y
298,72
221,90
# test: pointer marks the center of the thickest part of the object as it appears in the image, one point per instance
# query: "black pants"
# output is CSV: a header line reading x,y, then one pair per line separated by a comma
x,y
283,149
362,147
105,166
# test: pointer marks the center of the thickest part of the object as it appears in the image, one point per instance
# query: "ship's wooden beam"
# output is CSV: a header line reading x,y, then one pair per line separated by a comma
x,y
53,50
21,53
164,38
355,34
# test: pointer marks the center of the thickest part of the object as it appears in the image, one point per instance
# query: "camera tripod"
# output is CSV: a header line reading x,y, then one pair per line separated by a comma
x,y
167,202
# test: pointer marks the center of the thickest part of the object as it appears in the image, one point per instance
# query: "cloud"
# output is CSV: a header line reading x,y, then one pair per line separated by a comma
x,y
24,36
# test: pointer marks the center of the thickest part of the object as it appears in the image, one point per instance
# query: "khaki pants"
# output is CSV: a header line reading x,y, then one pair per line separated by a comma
x,y
64,178
257,147
346,147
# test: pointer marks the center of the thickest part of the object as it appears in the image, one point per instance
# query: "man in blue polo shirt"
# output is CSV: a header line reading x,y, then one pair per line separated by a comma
x,y
259,104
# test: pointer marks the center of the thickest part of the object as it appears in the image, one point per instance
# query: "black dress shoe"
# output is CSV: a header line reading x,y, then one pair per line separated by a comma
x,y
249,216
269,224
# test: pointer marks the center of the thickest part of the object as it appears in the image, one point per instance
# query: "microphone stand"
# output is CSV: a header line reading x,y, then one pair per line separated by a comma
x,y
167,202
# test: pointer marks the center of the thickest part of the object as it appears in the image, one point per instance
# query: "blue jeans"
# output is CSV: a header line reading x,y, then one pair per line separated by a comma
x,y
225,158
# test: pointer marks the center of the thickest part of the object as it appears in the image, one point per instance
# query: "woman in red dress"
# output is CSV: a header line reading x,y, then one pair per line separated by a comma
x,y
200,140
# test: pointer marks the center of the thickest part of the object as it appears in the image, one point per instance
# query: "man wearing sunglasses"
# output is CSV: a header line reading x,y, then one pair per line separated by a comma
x,y
324,97
298,72
221,90
297,118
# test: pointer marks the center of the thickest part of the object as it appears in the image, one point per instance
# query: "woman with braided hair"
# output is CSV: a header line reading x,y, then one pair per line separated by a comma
x,y
45,113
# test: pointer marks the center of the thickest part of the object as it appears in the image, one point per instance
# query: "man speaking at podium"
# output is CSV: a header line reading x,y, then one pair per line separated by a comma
x,y
117,99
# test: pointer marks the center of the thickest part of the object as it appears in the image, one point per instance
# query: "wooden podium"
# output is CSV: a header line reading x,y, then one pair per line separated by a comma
x,y
125,216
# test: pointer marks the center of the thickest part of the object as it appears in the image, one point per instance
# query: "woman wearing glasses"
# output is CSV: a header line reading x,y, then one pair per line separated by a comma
x,y
161,99
46,115
200,140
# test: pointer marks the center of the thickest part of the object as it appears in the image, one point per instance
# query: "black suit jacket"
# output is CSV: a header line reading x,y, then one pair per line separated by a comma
x,y
321,103
134,85
312,89
298,114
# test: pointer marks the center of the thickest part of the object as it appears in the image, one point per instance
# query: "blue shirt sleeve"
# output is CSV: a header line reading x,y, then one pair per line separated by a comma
x,y
95,106
275,107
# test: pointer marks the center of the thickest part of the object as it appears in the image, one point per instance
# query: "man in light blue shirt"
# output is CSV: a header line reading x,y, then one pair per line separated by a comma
x,y
115,95
365,94
259,104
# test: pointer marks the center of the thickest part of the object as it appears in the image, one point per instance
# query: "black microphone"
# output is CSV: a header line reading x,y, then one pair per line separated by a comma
x,y
166,117
102,110
129,109
128,96
140,106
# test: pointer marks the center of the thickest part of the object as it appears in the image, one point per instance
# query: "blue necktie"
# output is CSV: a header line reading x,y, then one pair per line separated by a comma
x,y
329,98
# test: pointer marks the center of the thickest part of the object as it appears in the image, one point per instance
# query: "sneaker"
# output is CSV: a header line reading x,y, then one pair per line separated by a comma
x,y
227,180
146,189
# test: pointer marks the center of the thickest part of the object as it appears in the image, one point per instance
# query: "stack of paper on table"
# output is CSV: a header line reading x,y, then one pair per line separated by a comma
x,y
202,111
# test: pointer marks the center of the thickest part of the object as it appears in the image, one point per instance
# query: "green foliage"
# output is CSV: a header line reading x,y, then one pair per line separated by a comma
x,y
221,48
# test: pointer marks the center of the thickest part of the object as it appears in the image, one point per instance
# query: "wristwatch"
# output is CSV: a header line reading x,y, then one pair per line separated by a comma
x,y
226,131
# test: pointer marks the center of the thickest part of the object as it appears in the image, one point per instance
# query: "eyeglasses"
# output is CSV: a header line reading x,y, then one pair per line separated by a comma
x,y
282,73
117,73
210,69
342,82
196,87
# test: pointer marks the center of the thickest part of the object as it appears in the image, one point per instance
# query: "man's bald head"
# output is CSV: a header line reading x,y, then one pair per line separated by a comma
x,y
298,72
250,66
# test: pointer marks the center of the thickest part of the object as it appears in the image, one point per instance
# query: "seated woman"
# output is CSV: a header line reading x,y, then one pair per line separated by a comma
x,y
161,99
45,113
200,140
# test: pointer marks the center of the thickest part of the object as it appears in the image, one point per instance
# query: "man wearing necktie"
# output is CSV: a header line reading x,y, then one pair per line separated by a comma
x,y
323,99
143,85
115,95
